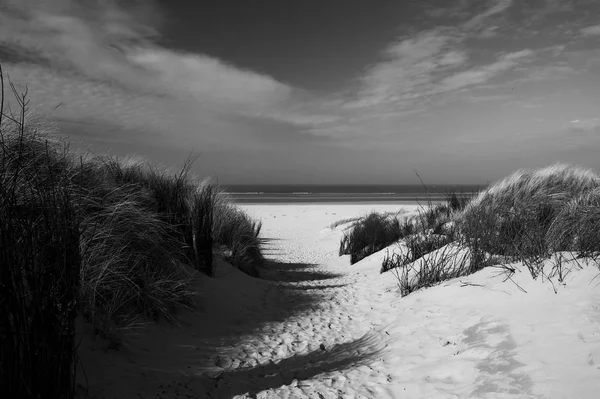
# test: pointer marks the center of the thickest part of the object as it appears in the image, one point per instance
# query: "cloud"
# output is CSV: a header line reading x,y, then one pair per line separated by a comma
x,y
489,32
497,7
583,60
99,59
429,63
209,79
484,73
420,71
554,72
407,71
578,134
459,9
590,124
591,31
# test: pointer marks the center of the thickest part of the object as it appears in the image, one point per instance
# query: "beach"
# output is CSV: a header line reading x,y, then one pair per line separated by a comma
x,y
314,326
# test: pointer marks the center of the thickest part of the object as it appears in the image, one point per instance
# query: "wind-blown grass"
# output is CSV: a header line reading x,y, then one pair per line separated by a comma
x,y
525,218
39,261
236,233
512,217
113,241
376,231
441,263
576,226
369,235
130,270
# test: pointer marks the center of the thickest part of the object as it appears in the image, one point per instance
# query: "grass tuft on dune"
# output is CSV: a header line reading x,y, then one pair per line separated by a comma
x,y
376,231
512,217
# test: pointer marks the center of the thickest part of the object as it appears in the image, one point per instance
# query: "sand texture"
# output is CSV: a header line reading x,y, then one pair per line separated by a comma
x,y
316,327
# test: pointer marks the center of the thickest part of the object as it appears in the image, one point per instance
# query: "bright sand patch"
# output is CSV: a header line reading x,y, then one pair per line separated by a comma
x,y
316,327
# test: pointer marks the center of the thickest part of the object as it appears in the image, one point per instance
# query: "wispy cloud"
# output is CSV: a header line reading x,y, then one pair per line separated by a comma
x,y
484,73
408,70
498,7
591,31
489,32
586,124
419,70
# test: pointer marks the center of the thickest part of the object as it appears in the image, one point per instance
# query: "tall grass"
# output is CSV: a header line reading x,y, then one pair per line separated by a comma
x,y
131,270
512,217
237,233
112,241
203,213
39,262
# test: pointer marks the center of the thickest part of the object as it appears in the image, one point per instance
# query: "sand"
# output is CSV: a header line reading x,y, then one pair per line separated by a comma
x,y
316,327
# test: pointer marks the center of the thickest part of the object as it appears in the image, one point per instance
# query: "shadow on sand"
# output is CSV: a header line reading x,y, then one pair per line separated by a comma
x,y
250,381
293,272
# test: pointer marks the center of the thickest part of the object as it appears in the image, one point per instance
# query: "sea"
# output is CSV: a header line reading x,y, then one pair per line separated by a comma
x,y
401,194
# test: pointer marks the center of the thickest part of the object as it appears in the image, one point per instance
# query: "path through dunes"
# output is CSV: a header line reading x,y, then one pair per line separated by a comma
x,y
316,327
324,342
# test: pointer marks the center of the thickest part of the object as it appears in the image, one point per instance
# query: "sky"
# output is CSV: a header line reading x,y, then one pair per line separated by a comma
x,y
313,91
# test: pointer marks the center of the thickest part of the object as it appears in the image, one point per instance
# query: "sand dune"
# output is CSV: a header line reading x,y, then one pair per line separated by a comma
x,y
316,327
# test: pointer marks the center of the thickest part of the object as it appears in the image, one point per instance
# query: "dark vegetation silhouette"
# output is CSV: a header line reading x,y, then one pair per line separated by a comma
x,y
114,241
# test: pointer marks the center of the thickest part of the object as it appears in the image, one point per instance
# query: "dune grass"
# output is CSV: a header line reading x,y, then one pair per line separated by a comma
x,y
112,241
376,231
526,217
414,247
576,227
370,234
513,216
39,261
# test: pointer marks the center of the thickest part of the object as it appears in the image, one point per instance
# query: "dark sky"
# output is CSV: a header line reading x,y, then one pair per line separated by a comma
x,y
311,44
306,91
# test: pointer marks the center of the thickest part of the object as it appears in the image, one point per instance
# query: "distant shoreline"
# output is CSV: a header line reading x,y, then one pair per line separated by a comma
x,y
335,201
345,194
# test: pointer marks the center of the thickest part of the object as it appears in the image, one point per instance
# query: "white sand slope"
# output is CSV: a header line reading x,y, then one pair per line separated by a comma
x,y
316,327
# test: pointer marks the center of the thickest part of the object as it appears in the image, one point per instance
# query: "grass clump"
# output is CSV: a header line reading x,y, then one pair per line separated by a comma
x,y
376,231
438,264
369,235
412,248
512,217
236,234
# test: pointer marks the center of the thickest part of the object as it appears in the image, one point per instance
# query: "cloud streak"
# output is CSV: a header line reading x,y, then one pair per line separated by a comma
x,y
591,31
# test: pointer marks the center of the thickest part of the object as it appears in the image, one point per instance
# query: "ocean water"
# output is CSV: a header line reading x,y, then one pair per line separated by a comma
x,y
278,194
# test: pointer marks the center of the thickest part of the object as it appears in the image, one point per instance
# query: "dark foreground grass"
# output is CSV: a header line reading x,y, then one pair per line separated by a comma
x,y
113,241
39,264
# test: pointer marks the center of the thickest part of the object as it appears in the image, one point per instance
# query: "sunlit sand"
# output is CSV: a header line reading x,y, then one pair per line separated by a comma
x,y
314,326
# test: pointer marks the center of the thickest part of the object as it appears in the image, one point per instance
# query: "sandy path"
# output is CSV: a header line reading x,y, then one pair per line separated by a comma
x,y
333,347
316,327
